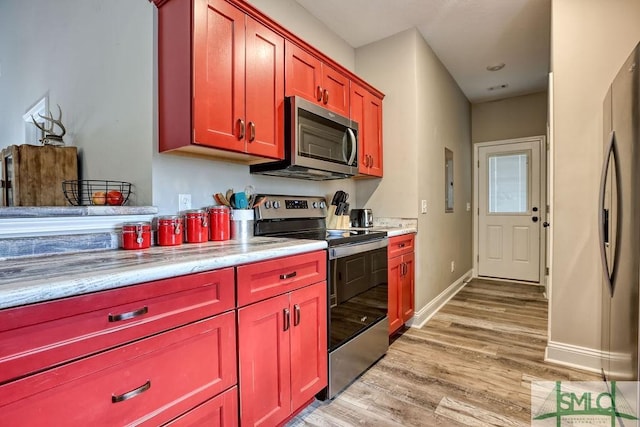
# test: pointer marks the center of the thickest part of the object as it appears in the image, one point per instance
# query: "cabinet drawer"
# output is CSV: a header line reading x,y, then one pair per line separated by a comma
x,y
220,411
147,382
400,245
265,279
40,336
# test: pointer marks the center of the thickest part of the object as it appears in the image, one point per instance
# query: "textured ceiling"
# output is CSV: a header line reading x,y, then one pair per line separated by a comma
x,y
467,36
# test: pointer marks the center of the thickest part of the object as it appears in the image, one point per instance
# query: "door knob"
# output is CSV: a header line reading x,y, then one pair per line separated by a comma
x,y
545,224
534,219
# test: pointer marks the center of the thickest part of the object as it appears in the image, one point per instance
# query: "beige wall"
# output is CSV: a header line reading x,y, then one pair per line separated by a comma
x,y
510,118
590,40
424,112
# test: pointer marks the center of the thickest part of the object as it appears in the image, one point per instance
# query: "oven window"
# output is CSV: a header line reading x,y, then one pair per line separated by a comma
x,y
358,294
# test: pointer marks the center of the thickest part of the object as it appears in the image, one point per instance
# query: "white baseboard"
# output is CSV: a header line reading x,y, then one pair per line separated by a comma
x,y
423,315
574,356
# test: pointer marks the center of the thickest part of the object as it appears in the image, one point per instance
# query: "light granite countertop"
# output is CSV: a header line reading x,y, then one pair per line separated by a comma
x,y
30,280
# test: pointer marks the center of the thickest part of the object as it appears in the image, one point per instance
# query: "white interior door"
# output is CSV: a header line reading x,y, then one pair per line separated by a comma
x,y
510,211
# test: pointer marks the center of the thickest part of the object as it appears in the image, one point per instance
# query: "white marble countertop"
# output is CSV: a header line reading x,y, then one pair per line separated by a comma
x,y
30,280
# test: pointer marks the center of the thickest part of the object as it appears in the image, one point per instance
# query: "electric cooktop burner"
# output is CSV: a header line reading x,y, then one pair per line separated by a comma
x,y
303,217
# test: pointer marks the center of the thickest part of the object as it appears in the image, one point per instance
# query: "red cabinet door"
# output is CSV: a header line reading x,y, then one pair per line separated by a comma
x,y
373,134
407,291
308,343
264,362
366,109
335,91
303,73
264,91
219,70
394,299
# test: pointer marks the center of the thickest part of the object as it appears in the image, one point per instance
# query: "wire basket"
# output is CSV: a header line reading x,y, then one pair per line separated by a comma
x,y
96,192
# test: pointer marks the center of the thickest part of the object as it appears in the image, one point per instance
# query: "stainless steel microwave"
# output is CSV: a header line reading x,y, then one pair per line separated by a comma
x,y
319,144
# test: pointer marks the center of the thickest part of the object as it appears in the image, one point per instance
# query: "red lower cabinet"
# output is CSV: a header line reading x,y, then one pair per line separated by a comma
x,y
220,411
401,281
282,352
148,382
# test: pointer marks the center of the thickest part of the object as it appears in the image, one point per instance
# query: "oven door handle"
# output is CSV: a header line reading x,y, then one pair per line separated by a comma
x,y
357,248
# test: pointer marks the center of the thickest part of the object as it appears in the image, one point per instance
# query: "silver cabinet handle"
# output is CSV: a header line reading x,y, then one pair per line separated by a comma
x,y
241,129
252,131
325,97
319,94
287,320
128,315
296,315
289,275
130,394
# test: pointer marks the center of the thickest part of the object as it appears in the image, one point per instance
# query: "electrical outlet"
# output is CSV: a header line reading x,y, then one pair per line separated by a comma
x,y
468,206
184,202
453,266
423,207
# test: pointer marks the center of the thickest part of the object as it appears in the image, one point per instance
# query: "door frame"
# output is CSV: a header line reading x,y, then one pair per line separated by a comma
x,y
544,206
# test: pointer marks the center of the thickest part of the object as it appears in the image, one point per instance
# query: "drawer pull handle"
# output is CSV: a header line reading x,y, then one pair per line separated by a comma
x,y
130,394
288,276
296,315
287,320
128,315
401,245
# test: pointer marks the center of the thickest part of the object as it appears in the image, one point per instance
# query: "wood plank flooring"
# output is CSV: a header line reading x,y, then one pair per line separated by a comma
x,y
470,365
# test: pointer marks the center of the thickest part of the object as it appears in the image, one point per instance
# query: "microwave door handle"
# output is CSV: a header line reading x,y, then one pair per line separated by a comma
x,y
354,146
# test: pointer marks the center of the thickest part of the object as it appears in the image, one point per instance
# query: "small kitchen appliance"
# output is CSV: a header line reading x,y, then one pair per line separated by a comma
x,y
361,218
357,283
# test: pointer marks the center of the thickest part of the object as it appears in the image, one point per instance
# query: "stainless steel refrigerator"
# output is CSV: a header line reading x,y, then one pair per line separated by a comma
x,y
619,223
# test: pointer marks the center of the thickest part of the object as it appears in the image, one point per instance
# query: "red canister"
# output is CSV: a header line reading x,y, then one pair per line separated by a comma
x,y
219,223
136,235
196,226
169,230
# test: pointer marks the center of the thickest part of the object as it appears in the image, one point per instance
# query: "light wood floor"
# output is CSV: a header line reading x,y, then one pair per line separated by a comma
x,y
470,365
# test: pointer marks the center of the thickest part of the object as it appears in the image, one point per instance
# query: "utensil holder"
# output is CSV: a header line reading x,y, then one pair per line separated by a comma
x,y
241,224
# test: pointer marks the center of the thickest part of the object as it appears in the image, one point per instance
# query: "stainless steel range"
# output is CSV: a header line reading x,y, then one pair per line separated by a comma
x,y
357,325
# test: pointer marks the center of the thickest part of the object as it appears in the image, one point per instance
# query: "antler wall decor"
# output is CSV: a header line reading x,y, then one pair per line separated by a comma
x,y
50,137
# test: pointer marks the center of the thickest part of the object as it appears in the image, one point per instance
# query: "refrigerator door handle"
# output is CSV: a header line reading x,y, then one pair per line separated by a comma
x,y
604,222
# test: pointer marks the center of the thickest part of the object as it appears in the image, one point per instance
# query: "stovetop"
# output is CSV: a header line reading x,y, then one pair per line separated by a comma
x,y
335,237
303,217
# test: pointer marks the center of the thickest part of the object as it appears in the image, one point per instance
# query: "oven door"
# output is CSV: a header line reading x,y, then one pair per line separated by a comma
x,y
357,290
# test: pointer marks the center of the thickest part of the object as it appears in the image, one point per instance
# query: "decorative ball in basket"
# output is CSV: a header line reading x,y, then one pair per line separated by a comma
x,y
96,192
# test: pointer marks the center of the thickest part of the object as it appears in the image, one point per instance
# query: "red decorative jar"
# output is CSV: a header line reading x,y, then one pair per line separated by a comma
x,y
219,223
196,226
136,235
169,230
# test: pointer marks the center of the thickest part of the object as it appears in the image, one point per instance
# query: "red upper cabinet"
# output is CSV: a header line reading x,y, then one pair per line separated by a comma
x,y
366,109
310,78
229,94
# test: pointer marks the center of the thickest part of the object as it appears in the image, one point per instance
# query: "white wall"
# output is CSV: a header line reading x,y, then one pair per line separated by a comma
x,y
517,117
94,59
590,41
424,111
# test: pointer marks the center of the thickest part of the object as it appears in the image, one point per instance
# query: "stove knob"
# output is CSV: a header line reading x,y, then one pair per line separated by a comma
x,y
315,205
322,205
276,205
267,204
